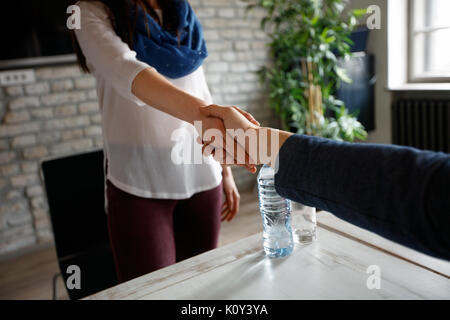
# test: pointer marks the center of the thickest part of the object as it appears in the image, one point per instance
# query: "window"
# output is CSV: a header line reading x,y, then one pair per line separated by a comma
x,y
429,41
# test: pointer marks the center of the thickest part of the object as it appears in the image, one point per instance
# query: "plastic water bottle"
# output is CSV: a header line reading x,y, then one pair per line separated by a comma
x,y
276,216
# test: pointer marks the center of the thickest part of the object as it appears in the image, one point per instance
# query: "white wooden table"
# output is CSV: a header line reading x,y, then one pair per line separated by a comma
x,y
334,267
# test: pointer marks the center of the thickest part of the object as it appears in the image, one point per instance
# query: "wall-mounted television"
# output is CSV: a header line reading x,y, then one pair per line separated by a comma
x,y
34,32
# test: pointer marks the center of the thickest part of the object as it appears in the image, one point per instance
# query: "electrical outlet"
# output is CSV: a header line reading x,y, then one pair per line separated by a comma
x,y
16,77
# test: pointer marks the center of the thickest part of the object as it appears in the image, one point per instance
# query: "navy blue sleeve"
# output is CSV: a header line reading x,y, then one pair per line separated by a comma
x,y
400,193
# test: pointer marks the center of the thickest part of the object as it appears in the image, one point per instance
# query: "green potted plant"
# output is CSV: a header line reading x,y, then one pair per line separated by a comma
x,y
308,37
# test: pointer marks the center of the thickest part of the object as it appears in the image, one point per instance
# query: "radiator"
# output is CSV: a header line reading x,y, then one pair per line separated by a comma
x,y
423,124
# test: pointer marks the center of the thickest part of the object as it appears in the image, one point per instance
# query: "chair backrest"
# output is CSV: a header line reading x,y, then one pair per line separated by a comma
x,y
75,192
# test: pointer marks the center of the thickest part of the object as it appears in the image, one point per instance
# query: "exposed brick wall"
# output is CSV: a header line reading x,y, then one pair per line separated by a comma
x,y
58,115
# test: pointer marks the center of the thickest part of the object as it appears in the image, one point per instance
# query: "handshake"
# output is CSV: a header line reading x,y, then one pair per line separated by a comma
x,y
233,137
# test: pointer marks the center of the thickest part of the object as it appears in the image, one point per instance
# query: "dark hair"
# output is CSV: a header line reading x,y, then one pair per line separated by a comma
x,y
124,25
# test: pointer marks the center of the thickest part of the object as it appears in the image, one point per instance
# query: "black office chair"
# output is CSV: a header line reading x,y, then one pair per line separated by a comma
x,y
75,192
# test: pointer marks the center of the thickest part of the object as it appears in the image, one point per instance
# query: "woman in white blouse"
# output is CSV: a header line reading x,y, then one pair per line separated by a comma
x,y
146,57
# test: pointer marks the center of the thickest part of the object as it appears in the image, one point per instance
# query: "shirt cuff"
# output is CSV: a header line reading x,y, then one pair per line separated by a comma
x,y
284,161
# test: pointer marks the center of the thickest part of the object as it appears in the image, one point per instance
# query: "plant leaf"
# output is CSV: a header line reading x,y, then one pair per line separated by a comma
x,y
359,12
267,3
343,75
330,39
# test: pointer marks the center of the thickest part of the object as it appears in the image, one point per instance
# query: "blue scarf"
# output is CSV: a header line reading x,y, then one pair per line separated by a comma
x,y
161,49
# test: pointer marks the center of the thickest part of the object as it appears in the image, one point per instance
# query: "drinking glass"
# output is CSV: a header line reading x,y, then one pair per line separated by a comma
x,y
304,223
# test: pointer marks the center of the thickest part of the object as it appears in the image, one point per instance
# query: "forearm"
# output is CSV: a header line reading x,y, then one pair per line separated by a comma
x,y
226,171
269,146
380,188
155,90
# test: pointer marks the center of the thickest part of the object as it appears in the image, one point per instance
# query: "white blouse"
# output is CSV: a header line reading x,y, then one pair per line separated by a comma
x,y
142,144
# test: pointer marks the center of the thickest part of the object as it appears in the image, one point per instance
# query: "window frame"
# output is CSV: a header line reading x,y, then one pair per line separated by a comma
x,y
415,76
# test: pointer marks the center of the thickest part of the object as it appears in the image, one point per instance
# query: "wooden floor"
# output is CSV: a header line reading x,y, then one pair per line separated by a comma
x,y
30,276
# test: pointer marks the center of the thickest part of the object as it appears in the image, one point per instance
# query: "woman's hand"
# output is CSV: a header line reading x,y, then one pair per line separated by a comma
x,y
230,206
208,122
233,118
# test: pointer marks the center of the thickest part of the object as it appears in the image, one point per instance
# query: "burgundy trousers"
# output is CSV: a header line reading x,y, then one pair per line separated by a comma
x,y
149,234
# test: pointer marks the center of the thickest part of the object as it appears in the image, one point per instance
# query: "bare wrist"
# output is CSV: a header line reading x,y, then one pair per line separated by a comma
x,y
193,114
269,144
